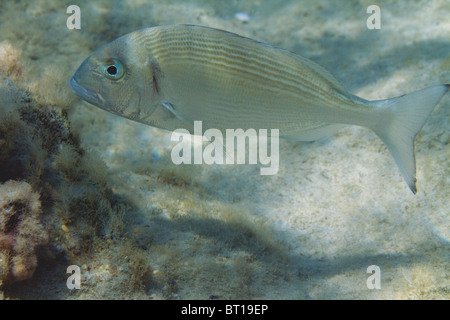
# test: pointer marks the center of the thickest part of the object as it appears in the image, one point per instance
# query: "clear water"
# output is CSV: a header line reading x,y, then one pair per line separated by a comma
x,y
336,206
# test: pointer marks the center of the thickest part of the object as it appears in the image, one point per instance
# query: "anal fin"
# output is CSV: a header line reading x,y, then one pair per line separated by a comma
x,y
315,133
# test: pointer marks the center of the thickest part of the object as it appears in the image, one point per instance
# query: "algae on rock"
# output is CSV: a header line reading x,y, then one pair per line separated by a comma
x,y
21,231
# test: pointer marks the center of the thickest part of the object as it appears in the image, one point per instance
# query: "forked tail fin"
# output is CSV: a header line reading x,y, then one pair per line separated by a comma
x,y
402,118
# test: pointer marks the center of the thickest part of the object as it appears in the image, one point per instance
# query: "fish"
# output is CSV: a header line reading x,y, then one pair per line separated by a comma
x,y
170,76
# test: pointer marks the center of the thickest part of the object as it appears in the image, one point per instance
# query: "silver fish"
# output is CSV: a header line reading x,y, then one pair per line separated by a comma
x,y
170,76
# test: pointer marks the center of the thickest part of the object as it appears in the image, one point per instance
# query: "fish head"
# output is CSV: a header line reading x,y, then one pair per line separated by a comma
x,y
118,79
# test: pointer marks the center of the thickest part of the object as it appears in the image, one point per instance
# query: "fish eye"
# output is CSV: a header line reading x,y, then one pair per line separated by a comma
x,y
113,70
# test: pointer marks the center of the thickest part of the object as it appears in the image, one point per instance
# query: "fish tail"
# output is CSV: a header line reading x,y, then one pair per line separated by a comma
x,y
402,118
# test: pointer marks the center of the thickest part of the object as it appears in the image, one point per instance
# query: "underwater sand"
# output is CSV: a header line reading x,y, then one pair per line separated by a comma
x,y
335,207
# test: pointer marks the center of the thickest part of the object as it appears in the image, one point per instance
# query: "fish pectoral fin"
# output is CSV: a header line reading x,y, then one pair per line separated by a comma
x,y
316,133
166,117
166,111
170,111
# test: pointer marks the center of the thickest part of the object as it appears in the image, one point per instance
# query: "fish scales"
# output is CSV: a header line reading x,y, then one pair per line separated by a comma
x,y
171,76
268,73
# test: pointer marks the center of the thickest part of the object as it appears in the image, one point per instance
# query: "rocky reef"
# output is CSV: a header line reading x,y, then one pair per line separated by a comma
x,y
21,231
46,178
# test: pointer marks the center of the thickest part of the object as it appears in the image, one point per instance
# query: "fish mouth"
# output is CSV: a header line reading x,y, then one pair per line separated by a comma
x,y
89,96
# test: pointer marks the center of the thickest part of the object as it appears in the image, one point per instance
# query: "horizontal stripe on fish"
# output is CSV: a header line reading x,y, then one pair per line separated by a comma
x,y
234,55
